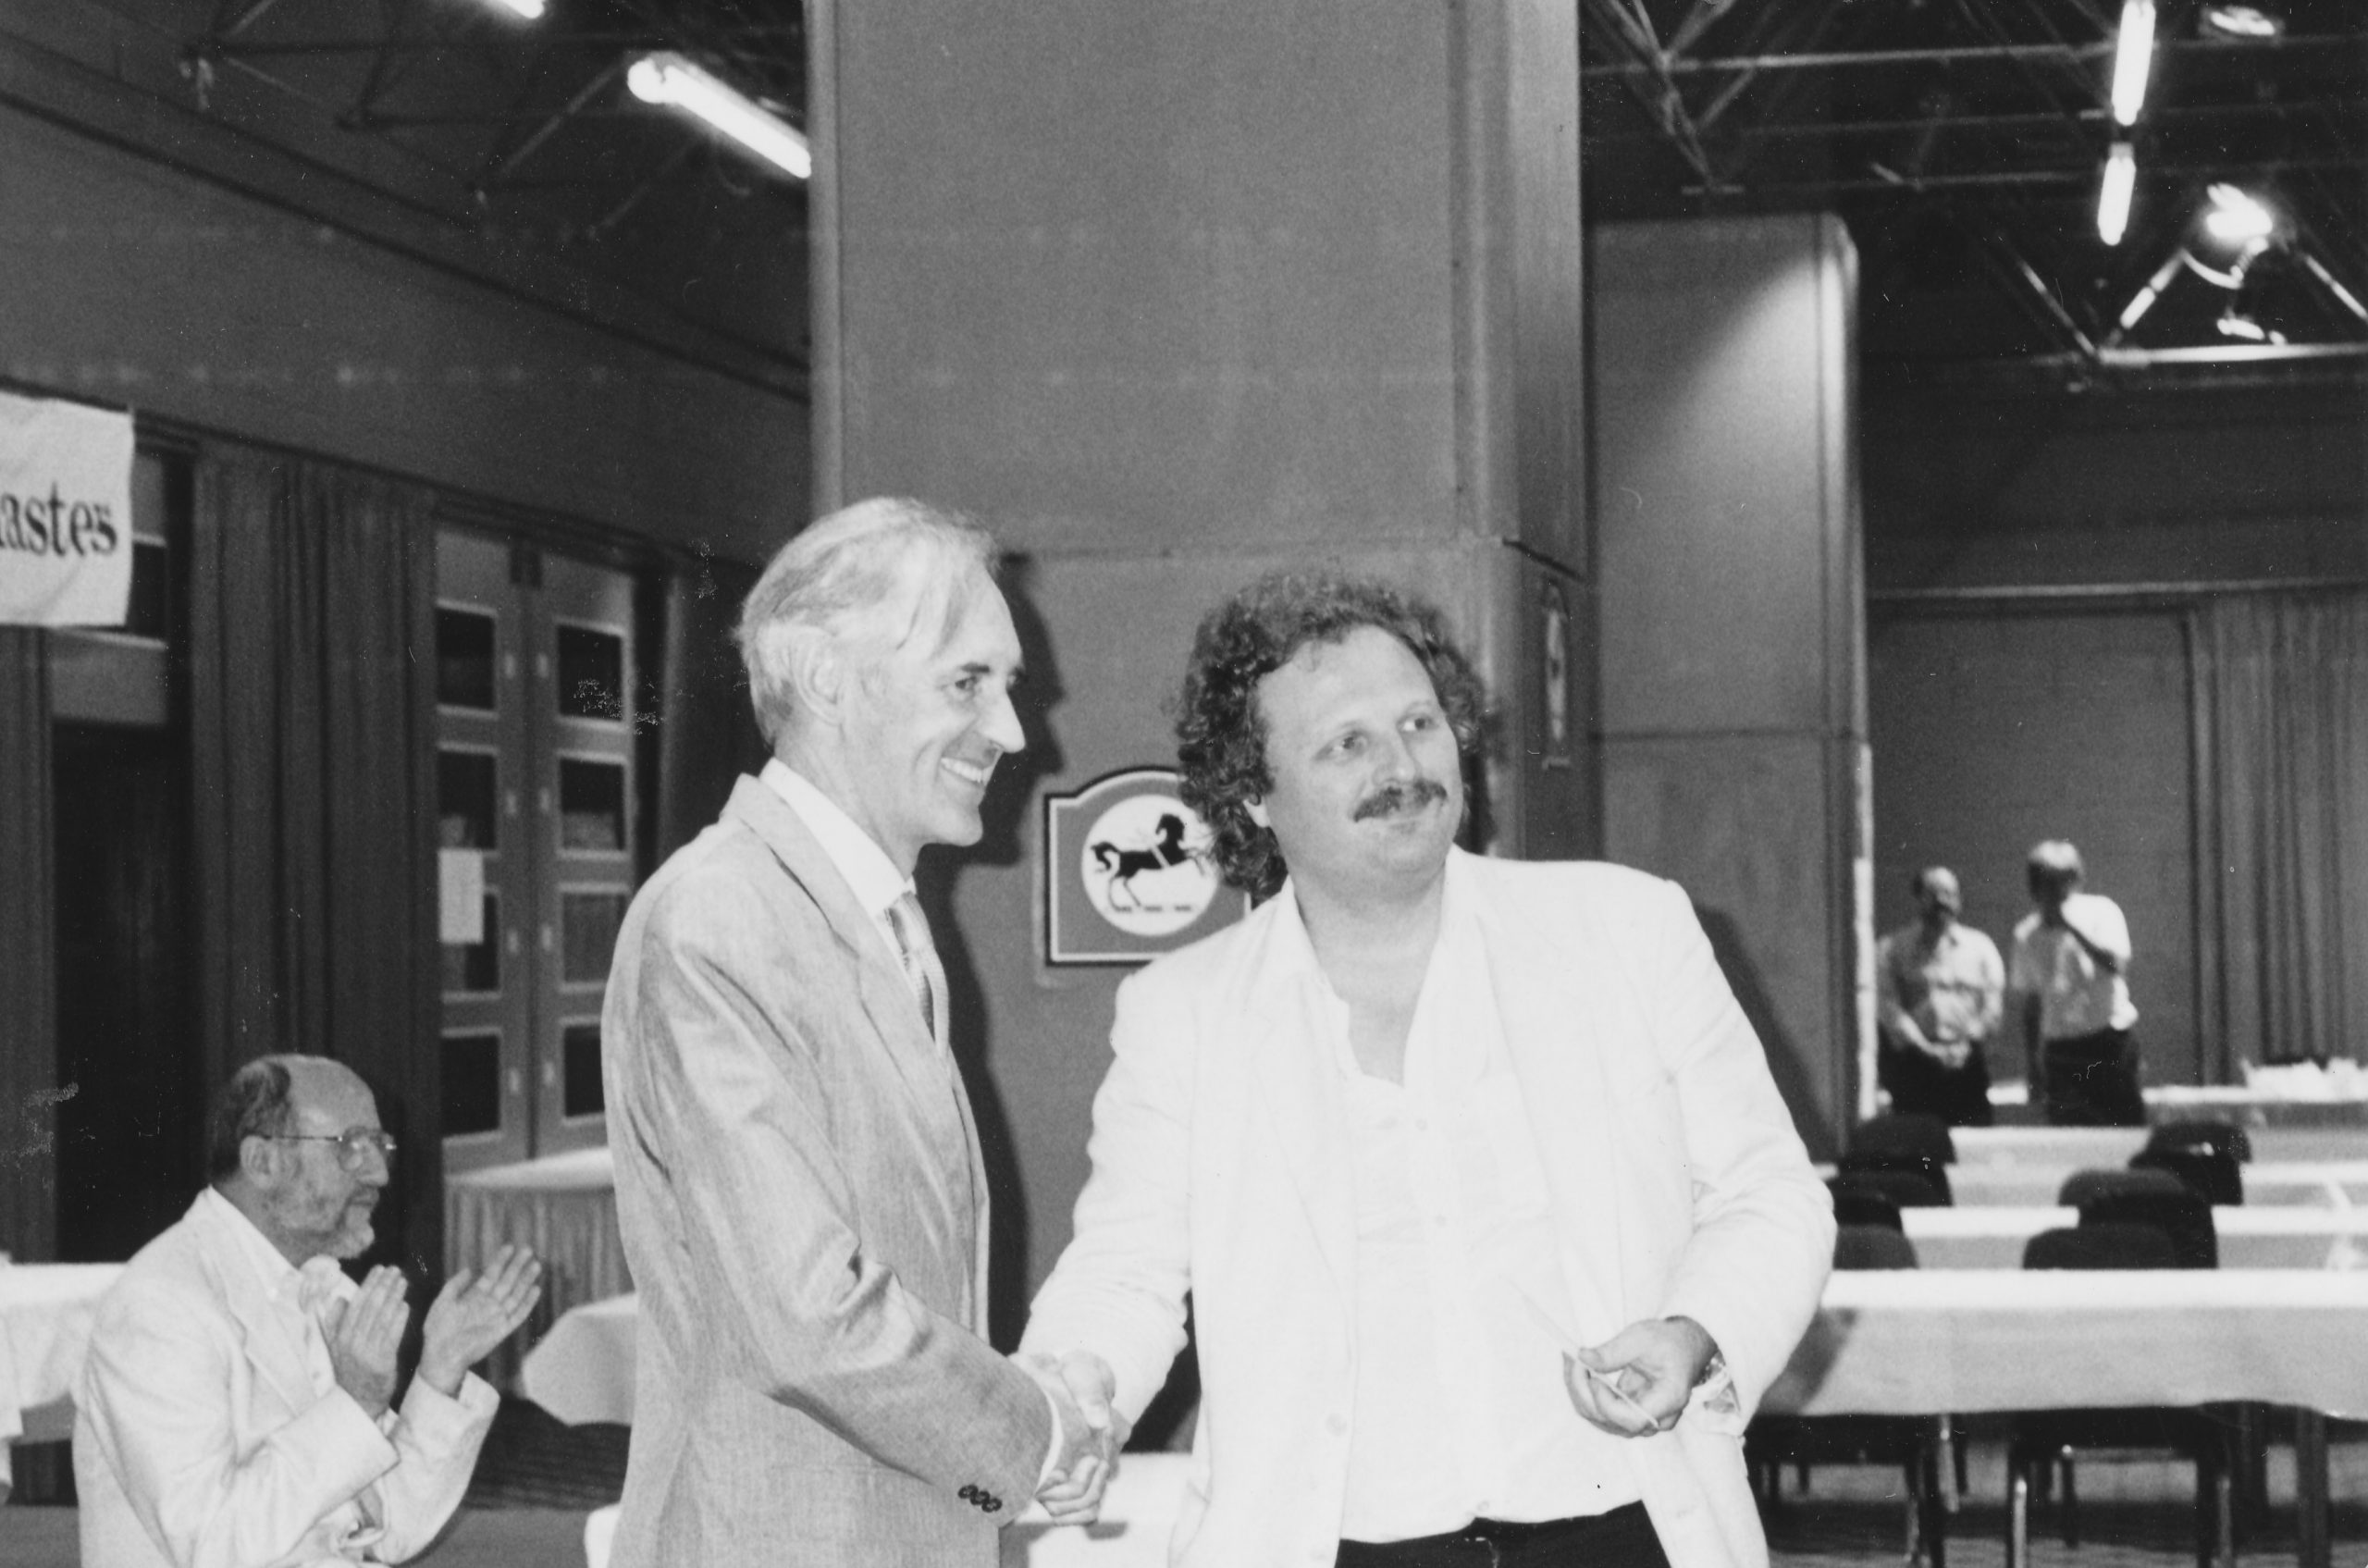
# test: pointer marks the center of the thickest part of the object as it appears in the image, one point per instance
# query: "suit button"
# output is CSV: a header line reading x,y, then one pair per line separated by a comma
x,y
969,1494
993,1505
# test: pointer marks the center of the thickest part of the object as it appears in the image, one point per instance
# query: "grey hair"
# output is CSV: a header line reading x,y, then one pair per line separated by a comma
x,y
2056,856
848,568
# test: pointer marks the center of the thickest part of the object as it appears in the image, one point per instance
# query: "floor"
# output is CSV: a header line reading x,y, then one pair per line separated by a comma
x,y
538,1478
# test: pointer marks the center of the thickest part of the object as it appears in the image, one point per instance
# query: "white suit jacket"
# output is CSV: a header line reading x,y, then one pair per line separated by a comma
x,y
1221,1168
200,1440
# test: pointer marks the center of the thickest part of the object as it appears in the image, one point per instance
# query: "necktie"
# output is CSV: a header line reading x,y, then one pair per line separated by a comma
x,y
922,970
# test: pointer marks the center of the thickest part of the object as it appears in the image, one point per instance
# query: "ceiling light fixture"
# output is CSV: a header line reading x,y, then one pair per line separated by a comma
x,y
2250,23
2236,218
668,78
530,9
2113,195
2133,56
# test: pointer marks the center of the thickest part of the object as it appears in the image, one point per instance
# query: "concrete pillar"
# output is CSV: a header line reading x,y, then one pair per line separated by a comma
x,y
1172,295
1732,640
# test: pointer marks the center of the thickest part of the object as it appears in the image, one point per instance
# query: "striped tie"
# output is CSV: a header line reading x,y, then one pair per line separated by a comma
x,y
922,970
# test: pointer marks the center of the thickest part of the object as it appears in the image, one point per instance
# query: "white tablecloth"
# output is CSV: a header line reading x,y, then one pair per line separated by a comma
x,y
2080,1147
582,1370
563,1205
45,1311
2339,1184
1924,1341
2290,1237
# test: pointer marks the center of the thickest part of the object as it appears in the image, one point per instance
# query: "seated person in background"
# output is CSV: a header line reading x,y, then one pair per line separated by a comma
x,y
2070,972
1939,995
235,1408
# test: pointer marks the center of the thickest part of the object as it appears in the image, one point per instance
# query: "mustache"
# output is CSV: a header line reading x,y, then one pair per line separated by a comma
x,y
1391,799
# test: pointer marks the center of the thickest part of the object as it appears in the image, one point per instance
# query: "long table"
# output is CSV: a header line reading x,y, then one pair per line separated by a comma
x,y
2265,1237
2086,1146
1933,1341
563,1205
45,1314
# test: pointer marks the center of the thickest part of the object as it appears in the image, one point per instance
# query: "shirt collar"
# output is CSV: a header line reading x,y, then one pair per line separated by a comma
x,y
271,1266
1295,950
871,875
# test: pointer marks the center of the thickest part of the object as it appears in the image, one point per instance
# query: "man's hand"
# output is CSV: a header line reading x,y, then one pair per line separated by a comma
x,y
473,1313
1637,1381
363,1336
1092,1432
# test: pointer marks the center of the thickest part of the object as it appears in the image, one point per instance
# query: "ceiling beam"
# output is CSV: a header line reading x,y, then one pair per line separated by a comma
x,y
1967,54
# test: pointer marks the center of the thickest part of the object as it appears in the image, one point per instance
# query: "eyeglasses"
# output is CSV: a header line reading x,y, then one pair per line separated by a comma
x,y
353,1145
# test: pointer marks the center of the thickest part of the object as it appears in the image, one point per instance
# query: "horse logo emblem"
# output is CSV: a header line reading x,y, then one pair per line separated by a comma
x,y
1146,866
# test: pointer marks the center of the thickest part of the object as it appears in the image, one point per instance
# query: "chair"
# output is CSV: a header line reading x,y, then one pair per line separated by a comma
x,y
1908,1189
2083,1185
2222,1137
1855,1205
1875,1162
2042,1440
1905,1132
2143,1197
2211,1173
1911,1442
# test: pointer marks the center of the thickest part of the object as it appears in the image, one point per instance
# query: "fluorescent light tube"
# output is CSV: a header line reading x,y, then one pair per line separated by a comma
x,y
2133,56
668,78
530,9
2112,196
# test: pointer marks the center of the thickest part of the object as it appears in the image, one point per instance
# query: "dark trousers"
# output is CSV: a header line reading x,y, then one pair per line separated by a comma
x,y
1622,1539
1920,1086
2093,1080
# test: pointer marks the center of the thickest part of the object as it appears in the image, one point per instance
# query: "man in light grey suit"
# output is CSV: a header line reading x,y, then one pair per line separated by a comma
x,y
798,1174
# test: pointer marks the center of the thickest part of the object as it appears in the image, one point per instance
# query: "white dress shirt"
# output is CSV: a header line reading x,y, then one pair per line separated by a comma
x,y
1460,1411
2078,995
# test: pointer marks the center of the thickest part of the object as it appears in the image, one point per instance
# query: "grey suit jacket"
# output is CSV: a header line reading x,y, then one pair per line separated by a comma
x,y
805,1213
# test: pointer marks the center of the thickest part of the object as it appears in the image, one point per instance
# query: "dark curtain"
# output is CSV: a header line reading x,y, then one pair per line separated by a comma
x,y
2283,679
313,754
706,735
27,953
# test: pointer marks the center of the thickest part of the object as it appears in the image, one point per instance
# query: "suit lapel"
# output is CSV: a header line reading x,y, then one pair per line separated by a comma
x,y
1300,1089
880,986
1549,995
271,1333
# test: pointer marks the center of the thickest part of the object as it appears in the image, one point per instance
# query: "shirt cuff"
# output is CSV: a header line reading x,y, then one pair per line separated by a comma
x,y
1053,1450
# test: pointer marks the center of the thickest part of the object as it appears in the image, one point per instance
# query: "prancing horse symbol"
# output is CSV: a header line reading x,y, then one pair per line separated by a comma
x,y
1125,865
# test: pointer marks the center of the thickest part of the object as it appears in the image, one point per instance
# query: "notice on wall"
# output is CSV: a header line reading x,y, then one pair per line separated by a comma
x,y
65,513
459,903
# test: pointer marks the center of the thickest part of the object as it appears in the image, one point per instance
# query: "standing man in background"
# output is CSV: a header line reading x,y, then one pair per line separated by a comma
x,y
2070,975
1493,1223
1939,998
798,1174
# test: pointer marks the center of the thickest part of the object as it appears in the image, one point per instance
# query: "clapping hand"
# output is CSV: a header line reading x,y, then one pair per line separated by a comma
x,y
1637,1382
363,1335
475,1312
1092,1433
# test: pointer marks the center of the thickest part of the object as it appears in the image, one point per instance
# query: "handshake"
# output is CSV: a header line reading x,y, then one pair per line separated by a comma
x,y
1092,1432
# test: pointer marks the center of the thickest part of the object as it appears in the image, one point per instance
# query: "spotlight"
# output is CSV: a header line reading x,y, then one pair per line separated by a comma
x,y
2251,23
2112,196
2236,218
530,9
668,78
2133,56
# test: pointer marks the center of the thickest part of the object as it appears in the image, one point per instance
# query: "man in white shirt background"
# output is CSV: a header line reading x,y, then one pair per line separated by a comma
x,y
1493,1224
236,1407
1938,999
2070,977
799,1180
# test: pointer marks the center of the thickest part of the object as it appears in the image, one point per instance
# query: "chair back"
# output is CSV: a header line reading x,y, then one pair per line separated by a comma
x,y
1935,1175
1905,1132
1872,1246
2225,1136
2182,1215
2213,1174
2101,1246
1854,1204
2083,1185
1907,1188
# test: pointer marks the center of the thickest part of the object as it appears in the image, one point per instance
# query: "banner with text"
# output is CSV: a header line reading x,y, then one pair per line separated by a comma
x,y
65,513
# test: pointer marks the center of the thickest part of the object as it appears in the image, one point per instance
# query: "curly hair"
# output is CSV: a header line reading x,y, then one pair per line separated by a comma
x,y
1220,735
